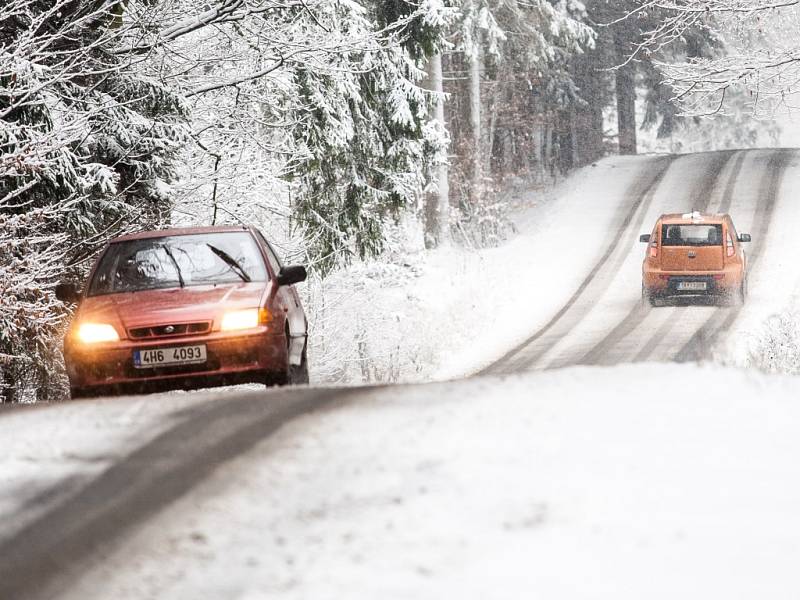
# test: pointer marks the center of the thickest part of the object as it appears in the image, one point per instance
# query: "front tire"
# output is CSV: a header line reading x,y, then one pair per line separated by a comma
x,y
294,374
298,374
80,393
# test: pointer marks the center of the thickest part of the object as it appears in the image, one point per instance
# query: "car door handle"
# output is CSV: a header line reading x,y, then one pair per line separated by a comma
x,y
692,255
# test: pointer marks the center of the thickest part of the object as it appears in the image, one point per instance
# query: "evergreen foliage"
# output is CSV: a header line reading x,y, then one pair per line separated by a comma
x,y
366,144
84,146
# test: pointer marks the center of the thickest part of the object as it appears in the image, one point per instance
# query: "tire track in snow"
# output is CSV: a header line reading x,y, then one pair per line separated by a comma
x,y
42,559
641,190
700,199
707,336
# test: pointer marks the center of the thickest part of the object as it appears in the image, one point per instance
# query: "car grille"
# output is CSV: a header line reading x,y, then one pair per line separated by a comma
x,y
169,330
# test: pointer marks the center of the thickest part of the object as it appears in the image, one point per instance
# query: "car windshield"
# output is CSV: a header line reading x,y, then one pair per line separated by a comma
x,y
178,261
691,235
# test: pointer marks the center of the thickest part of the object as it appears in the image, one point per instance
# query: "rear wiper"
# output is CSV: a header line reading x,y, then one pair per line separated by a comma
x,y
174,262
231,262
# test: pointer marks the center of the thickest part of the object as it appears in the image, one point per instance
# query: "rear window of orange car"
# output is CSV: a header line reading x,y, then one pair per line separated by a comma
x,y
691,235
178,261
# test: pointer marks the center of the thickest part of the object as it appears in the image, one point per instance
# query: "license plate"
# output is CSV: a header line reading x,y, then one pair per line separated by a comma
x,y
694,286
179,355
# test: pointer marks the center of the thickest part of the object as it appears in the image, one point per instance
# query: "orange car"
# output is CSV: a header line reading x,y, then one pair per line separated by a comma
x,y
694,254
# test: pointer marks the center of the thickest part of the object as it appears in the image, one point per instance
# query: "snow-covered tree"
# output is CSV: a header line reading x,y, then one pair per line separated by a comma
x,y
85,144
620,68
761,58
312,113
308,115
510,88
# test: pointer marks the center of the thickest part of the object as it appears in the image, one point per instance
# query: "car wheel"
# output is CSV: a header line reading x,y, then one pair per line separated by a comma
x,y
298,374
647,299
741,296
293,375
76,393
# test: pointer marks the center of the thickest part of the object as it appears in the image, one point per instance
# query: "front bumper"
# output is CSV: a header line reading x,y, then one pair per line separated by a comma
x,y
231,358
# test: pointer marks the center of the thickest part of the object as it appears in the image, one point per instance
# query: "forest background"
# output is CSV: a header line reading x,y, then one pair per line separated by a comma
x,y
357,134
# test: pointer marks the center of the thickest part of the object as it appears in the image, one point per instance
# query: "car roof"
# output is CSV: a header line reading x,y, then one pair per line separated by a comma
x,y
693,218
157,233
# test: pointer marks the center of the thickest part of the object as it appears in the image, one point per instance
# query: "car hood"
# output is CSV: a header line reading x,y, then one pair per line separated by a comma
x,y
173,305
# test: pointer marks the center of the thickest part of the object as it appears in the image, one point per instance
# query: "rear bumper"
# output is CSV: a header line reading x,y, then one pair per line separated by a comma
x,y
665,284
237,358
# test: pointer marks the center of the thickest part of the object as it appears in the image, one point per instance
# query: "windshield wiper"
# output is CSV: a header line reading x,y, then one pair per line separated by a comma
x,y
174,262
231,262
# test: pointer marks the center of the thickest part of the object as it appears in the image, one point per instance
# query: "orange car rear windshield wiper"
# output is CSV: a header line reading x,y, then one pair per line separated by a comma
x,y
231,262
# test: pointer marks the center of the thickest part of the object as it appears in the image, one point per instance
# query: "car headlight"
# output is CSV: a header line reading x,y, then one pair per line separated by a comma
x,y
242,319
93,333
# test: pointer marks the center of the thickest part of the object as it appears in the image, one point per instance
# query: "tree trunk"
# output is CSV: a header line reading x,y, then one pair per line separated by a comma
x,y
437,204
498,91
587,116
547,149
507,150
475,68
538,148
626,97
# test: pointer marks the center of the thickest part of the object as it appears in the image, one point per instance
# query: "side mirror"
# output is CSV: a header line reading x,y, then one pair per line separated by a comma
x,y
645,238
292,274
68,292
745,237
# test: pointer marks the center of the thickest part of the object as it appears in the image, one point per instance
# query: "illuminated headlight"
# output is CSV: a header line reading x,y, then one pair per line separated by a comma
x,y
240,319
93,333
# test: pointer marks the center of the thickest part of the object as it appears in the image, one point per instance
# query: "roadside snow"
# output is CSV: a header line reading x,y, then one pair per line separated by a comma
x,y
51,451
774,280
446,313
639,481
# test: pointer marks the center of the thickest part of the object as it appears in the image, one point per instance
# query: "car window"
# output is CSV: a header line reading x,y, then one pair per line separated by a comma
x,y
178,261
691,235
272,257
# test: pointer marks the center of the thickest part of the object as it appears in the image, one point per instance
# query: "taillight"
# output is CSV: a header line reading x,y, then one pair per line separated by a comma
x,y
653,249
729,246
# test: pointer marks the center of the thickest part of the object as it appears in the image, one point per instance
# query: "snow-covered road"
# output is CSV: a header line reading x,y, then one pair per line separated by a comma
x,y
604,323
656,481
614,480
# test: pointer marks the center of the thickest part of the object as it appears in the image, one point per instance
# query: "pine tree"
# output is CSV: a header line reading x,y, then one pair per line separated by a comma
x,y
367,145
85,145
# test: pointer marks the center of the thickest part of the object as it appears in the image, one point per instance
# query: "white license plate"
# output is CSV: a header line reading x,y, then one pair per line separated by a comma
x,y
693,286
179,355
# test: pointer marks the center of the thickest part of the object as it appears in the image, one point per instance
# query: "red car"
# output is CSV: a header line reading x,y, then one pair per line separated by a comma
x,y
186,308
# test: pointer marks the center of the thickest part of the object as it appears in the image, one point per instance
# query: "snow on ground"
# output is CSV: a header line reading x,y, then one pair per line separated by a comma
x,y
448,312
50,452
639,481
775,280
648,480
